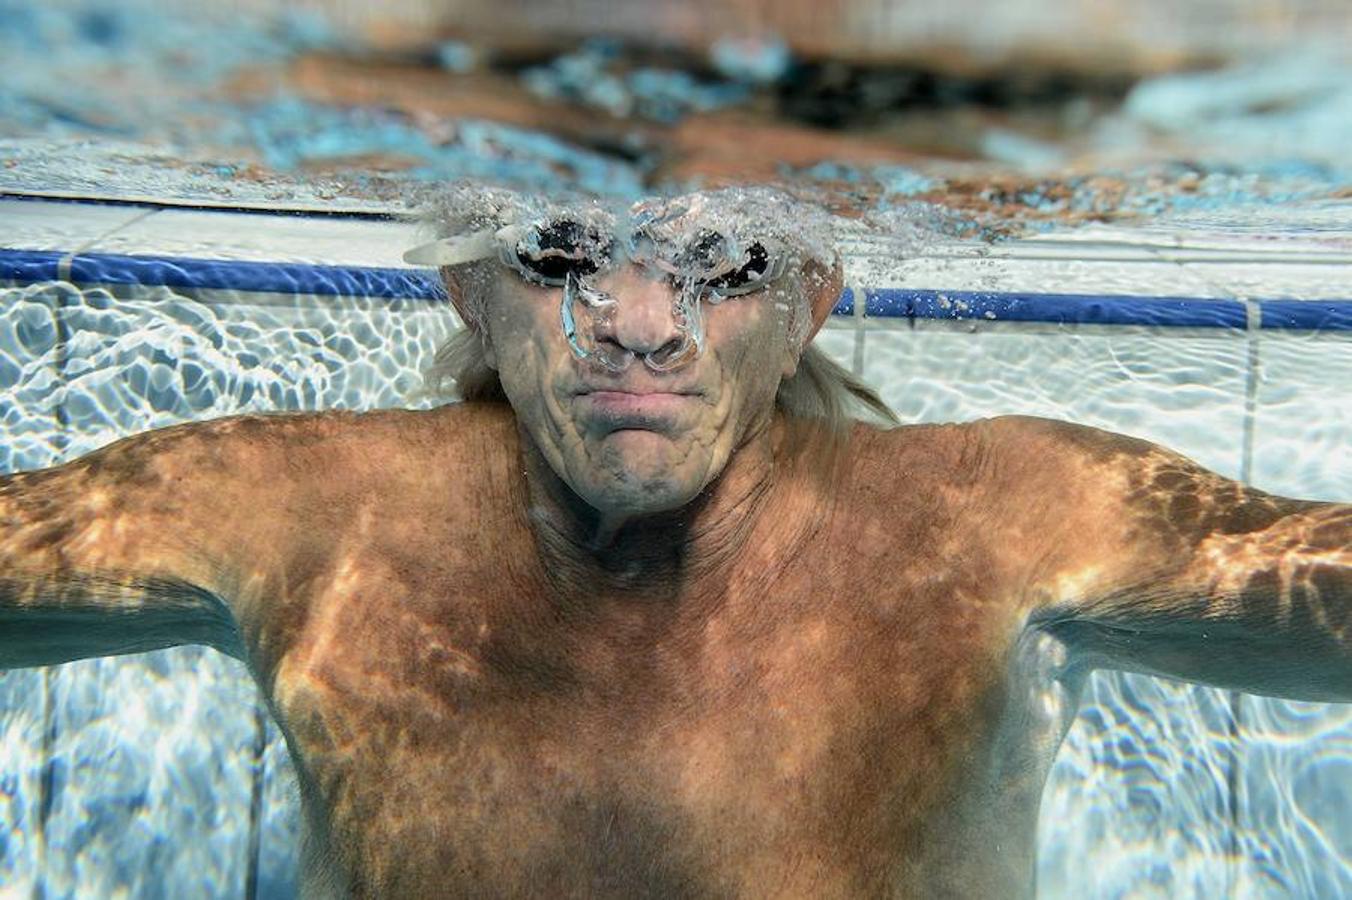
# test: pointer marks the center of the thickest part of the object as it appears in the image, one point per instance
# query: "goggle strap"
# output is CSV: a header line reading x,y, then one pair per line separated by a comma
x,y
455,251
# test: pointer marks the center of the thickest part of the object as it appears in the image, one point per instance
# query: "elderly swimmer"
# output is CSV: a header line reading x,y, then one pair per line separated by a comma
x,y
646,615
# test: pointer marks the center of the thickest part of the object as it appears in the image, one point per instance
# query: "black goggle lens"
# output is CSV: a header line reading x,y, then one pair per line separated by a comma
x,y
560,248
552,252
749,277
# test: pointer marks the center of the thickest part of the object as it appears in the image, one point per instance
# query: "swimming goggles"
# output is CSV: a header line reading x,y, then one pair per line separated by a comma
x,y
546,253
703,264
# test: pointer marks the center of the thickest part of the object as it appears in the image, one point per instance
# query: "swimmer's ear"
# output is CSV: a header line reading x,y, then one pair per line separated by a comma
x,y
823,285
453,278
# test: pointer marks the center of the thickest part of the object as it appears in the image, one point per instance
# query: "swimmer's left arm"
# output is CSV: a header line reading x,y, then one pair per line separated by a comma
x,y
1167,568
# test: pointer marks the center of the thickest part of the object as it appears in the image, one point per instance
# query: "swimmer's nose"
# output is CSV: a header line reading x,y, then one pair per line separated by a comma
x,y
643,321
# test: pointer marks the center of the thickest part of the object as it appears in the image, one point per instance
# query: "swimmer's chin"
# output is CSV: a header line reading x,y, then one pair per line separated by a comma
x,y
637,491
635,472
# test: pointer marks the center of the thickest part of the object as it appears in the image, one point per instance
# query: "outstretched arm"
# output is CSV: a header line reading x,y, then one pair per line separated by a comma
x,y
127,549
1154,564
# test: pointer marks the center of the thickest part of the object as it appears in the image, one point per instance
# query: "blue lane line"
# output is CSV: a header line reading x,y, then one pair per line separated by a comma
x,y
27,266
1313,315
1079,309
845,305
256,277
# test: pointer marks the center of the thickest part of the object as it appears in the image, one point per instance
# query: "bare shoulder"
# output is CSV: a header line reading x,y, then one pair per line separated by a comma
x,y
330,446
1023,471
1103,469
1013,446
343,429
986,448
197,490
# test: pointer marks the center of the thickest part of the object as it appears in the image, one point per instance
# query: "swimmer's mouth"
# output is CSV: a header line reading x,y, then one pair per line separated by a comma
x,y
638,401
650,410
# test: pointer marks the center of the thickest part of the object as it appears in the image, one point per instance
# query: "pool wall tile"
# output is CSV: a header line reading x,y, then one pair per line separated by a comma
x,y
1070,309
997,270
30,353
1176,388
838,344
1294,831
1275,280
1307,315
1303,415
252,237
23,267
166,743
23,763
149,751
1110,824
254,277
61,228
1129,809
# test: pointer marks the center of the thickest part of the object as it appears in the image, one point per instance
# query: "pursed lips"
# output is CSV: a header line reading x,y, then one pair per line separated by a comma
x,y
636,408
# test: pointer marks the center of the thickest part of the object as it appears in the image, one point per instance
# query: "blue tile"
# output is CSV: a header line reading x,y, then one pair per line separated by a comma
x,y
255,277
845,305
1313,315
1055,308
26,266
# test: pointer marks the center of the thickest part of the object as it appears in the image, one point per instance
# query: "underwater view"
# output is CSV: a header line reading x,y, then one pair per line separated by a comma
x,y
582,604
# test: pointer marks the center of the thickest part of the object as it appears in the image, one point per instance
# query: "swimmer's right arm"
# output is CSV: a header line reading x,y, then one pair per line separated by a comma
x,y
127,549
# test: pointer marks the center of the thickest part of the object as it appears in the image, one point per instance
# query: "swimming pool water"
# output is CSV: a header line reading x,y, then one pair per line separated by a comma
x,y
159,775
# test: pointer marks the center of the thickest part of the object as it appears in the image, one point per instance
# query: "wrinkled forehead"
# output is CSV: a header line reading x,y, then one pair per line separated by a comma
x,y
744,212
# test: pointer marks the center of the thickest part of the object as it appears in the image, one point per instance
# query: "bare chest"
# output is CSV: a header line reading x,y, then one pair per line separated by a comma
x,y
792,742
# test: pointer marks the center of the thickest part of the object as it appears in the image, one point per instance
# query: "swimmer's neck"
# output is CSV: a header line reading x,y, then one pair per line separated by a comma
x,y
661,556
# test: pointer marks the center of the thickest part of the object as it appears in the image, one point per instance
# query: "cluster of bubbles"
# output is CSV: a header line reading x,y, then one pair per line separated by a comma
x,y
711,245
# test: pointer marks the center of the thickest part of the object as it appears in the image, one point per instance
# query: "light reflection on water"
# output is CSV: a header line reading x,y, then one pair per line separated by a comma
x,y
1160,790
149,779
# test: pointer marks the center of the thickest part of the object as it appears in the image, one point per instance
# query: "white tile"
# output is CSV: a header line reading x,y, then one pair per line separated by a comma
x,y
1295,769
1137,803
1254,231
1128,807
30,367
1303,415
60,227
163,358
1295,790
145,361
22,725
162,741
1276,280
266,238
29,363
1186,392
1038,276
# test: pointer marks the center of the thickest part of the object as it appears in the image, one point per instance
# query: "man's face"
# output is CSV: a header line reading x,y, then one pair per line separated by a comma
x,y
630,440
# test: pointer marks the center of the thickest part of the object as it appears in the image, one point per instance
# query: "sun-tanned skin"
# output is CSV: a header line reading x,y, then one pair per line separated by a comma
x,y
520,652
